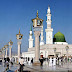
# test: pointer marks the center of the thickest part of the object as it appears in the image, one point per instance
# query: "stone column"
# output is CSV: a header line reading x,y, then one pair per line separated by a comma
x,y
67,55
6,52
37,46
3,57
10,49
10,54
19,49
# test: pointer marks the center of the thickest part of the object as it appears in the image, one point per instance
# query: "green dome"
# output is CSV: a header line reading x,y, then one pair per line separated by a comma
x,y
59,37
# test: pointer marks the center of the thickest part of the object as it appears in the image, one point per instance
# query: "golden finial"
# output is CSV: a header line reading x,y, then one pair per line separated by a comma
x,y
37,13
19,31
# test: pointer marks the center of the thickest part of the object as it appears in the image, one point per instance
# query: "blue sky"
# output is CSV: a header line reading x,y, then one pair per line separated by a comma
x,y
15,14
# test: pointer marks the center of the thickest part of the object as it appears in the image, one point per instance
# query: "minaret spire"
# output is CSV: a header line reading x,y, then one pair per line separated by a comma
x,y
48,10
37,13
48,18
19,30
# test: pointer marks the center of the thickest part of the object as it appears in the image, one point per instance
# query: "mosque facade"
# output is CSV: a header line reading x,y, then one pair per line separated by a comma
x,y
55,45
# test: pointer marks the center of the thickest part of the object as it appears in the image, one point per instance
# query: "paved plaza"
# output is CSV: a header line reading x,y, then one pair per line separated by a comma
x,y
65,67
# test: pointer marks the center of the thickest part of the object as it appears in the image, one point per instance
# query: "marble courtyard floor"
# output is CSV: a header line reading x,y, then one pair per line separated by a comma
x,y
12,68
67,67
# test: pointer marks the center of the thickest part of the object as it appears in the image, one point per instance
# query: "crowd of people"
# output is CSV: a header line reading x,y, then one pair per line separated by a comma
x,y
50,61
53,61
7,63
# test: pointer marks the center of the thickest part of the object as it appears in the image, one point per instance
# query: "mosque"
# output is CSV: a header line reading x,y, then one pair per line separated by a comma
x,y
55,45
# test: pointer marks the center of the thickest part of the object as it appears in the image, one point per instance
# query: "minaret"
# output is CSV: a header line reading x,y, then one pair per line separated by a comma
x,y
42,37
49,30
30,38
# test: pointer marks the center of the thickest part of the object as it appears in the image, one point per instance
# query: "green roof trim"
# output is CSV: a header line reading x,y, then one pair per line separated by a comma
x,y
59,37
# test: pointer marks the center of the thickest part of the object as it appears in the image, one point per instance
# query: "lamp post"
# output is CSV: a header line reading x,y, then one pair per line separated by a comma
x,y
3,51
3,54
19,39
6,46
10,48
0,51
55,51
37,25
67,48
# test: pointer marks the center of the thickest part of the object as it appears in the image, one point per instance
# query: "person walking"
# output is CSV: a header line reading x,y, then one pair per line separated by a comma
x,y
50,61
21,64
7,68
19,60
54,61
32,61
41,60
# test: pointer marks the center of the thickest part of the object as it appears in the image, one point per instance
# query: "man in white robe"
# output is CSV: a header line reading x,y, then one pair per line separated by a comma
x,y
50,62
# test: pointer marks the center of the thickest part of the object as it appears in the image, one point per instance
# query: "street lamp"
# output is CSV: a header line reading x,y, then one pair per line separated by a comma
x,y
37,25
3,51
67,48
3,54
55,51
0,51
6,47
10,46
19,39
